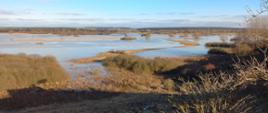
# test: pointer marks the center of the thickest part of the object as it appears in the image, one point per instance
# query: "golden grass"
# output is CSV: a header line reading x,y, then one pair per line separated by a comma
x,y
138,80
211,93
103,56
18,71
124,81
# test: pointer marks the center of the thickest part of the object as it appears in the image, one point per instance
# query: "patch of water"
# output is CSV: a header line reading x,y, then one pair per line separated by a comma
x,y
200,49
71,47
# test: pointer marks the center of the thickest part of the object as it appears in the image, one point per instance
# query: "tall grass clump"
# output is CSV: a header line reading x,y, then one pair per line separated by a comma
x,y
141,65
241,92
18,71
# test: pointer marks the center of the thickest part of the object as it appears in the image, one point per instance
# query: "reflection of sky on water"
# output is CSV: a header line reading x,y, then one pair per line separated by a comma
x,y
70,50
183,51
73,49
174,52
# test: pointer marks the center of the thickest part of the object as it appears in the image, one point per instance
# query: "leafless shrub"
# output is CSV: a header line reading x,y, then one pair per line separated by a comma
x,y
223,93
257,23
263,9
258,27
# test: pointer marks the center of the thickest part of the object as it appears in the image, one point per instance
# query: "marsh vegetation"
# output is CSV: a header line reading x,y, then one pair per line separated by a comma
x,y
20,71
141,65
196,83
231,78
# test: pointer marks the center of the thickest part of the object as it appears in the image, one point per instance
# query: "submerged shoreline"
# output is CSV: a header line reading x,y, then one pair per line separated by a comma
x,y
92,48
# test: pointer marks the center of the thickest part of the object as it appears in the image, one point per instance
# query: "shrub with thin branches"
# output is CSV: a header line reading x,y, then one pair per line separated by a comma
x,y
224,93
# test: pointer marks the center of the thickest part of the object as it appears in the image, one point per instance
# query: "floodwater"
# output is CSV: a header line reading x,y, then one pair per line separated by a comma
x,y
199,49
66,48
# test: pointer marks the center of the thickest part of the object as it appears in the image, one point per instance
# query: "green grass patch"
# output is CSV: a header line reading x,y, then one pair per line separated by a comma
x,y
18,71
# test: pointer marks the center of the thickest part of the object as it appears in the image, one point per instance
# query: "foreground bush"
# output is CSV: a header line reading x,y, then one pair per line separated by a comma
x,y
256,35
258,28
141,65
17,71
241,92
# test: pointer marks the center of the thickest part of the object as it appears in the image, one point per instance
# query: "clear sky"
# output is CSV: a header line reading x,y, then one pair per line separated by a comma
x,y
124,13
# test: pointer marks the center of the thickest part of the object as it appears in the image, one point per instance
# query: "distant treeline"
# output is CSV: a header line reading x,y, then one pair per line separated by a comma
x,y
61,31
193,30
105,31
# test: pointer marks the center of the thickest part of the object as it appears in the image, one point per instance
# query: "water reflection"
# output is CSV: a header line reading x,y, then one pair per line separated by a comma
x,y
65,48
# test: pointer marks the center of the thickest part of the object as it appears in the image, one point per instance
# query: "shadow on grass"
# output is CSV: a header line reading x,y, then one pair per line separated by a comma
x,y
35,97
212,64
32,97
93,101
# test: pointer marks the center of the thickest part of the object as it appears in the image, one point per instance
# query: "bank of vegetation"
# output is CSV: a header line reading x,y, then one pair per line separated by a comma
x,y
141,65
233,78
146,32
20,71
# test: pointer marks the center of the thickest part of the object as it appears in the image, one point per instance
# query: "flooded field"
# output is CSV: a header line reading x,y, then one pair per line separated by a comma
x,y
67,48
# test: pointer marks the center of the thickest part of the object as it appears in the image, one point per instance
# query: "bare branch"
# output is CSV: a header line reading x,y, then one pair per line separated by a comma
x,y
263,9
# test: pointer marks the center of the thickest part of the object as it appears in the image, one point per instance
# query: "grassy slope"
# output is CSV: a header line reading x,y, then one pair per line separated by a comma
x,y
22,71
124,103
245,92
141,65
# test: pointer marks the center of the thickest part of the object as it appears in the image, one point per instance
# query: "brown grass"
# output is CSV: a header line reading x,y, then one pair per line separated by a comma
x,y
225,93
18,71
103,56
124,81
127,92
141,65
243,92
238,48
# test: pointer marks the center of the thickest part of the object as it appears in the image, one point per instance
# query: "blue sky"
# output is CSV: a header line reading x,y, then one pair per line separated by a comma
x,y
124,13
